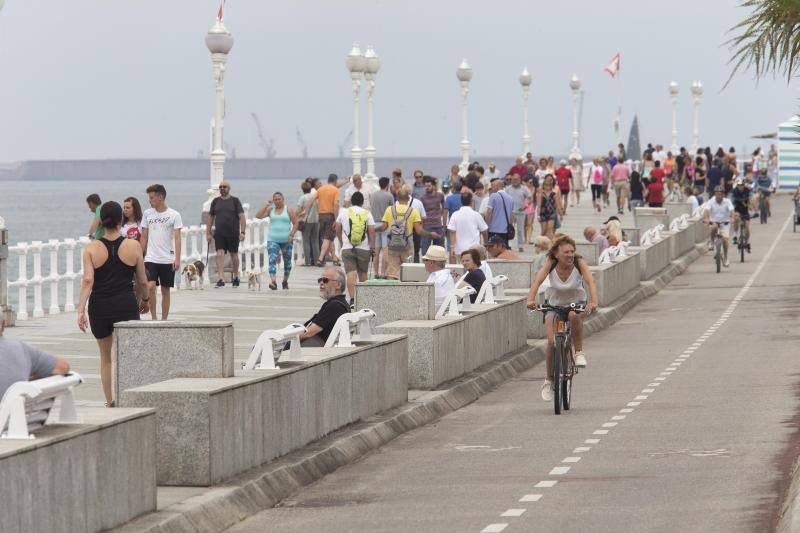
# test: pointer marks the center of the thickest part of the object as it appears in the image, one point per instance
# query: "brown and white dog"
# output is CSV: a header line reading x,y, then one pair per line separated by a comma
x,y
193,273
253,280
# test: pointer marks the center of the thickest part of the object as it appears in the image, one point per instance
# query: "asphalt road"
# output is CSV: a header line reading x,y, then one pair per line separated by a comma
x,y
685,420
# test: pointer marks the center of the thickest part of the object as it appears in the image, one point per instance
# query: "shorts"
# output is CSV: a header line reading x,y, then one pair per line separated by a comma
x,y
744,214
547,218
622,189
725,230
162,274
327,223
356,260
104,313
381,239
395,258
226,243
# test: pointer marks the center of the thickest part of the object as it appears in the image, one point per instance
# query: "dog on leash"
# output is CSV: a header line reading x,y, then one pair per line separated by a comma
x,y
193,273
253,280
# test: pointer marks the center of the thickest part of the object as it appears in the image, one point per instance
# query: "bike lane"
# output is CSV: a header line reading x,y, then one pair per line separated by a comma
x,y
678,425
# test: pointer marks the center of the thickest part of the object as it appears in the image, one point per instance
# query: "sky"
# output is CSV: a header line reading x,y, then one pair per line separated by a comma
x,y
132,78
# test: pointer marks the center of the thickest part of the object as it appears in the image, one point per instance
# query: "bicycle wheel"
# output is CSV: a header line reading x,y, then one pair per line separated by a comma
x,y
566,385
718,252
742,243
762,210
558,350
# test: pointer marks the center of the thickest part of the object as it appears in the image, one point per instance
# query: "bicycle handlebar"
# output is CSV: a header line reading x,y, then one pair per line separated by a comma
x,y
562,308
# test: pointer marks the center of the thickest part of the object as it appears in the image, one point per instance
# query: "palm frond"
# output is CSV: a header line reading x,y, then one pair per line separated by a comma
x,y
768,40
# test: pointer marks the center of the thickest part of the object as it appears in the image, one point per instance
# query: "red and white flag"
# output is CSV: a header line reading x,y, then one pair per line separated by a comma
x,y
613,68
219,11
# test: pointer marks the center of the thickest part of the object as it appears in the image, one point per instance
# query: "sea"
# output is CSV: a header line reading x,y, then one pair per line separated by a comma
x,y
42,210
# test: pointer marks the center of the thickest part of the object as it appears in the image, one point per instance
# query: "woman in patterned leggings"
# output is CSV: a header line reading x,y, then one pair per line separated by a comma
x,y
282,227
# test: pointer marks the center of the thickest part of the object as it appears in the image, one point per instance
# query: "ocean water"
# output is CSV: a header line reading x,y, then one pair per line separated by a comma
x,y
42,210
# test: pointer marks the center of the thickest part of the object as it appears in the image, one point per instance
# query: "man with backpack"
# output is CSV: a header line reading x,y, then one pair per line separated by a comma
x,y
402,221
355,229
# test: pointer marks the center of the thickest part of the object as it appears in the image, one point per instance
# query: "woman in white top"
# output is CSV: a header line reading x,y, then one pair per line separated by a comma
x,y
569,276
576,181
131,219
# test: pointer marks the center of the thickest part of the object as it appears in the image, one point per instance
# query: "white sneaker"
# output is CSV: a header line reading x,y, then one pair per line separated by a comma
x,y
580,360
727,263
547,391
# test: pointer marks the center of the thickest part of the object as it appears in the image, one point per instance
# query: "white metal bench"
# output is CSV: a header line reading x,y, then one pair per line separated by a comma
x,y
26,405
450,305
492,290
342,335
269,348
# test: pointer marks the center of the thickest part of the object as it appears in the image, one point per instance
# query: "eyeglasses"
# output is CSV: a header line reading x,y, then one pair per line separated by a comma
x,y
224,187
323,280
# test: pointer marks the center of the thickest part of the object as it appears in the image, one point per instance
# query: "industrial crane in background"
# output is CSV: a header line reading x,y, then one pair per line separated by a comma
x,y
302,143
267,145
344,144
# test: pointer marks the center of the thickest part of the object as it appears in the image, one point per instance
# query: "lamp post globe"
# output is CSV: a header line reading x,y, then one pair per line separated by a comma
x,y
219,42
356,63
464,75
372,63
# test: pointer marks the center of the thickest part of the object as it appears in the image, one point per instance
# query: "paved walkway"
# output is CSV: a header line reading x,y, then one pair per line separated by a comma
x,y
685,420
251,312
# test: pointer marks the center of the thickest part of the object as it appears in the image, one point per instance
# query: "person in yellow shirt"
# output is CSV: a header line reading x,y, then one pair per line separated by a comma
x,y
401,245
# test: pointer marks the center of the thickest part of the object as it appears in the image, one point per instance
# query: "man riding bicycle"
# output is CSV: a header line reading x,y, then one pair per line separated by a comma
x,y
764,187
567,275
718,212
741,197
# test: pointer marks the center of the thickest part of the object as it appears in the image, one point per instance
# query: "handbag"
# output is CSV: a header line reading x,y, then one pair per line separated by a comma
x,y
510,231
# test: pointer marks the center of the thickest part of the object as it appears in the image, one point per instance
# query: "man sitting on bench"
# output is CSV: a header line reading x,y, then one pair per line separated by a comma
x,y
332,285
22,362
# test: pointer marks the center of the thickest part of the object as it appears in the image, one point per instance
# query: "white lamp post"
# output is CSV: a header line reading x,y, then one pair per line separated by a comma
x,y
356,63
697,94
219,42
372,64
673,95
464,74
575,87
525,80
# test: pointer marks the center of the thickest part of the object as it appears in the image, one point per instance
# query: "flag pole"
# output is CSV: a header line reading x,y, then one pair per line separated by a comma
x,y
619,108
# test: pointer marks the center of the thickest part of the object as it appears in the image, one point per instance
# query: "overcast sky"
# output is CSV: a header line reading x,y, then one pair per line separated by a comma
x,y
132,78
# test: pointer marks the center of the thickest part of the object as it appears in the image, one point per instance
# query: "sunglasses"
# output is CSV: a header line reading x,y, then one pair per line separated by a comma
x,y
323,280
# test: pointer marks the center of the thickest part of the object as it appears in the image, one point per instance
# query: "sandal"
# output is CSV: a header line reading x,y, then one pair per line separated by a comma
x,y
273,286
337,263
320,263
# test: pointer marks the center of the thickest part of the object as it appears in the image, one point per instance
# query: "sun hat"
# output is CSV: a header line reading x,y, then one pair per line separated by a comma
x,y
435,253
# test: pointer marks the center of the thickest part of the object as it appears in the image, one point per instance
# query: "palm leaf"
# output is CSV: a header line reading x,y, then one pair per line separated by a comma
x,y
768,40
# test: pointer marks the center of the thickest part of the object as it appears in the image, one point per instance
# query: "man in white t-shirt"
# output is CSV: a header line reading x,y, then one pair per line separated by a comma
x,y
719,211
358,185
161,241
435,260
355,228
466,227
659,154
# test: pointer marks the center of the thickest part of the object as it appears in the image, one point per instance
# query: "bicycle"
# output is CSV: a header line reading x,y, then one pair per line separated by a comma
x,y
718,244
762,208
563,366
742,241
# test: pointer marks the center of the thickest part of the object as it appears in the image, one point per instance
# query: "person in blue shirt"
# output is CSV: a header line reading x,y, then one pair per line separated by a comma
x,y
452,203
500,213
764,186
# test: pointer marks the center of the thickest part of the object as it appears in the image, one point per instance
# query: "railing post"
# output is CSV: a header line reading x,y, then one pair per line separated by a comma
x,y
38,310
53,245
5,310
22,281
69,276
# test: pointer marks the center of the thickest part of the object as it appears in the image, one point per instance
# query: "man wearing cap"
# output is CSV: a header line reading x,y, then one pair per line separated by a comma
x,y
741,197
491,174
442,278
497,249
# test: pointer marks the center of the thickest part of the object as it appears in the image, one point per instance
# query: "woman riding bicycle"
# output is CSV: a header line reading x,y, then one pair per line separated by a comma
x,y
569,276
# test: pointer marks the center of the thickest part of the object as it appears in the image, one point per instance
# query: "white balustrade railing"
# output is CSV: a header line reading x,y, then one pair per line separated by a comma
x,y
62,273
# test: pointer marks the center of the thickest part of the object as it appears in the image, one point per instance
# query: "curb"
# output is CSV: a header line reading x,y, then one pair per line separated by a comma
x,y
222,507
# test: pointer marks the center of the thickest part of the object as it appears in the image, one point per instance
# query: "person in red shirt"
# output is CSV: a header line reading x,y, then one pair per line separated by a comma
x,y
518,168
655,191
657,172
563,177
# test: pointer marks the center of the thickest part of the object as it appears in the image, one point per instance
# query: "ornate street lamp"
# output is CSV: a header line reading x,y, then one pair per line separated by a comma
x,y
525,80
575,87
697,94
673,95
372,64
356,64
464,75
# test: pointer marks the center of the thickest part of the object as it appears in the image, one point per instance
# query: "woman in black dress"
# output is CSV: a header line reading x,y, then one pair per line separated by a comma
x,y
109,266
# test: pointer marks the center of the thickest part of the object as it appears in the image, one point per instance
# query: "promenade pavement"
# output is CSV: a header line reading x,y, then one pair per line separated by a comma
x,y
251,312
685,420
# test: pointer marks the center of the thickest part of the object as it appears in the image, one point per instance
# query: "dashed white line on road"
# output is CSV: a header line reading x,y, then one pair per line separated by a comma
x,y
494,528
648,390
559,471
600,432
618,417
546,484
531,498
609,424
634,404
626,410
591,441
513,512
571,459
581,449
